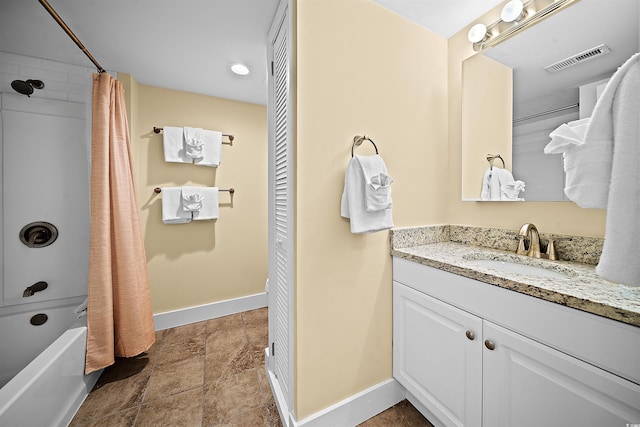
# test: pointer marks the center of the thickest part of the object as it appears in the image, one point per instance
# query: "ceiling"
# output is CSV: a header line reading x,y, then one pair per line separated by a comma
x,y
187,45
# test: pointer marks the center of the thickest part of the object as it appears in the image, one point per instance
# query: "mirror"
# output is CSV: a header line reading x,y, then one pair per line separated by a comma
x,y
510,103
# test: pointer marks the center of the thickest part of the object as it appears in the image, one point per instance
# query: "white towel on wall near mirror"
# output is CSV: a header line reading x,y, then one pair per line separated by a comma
x,y
615,123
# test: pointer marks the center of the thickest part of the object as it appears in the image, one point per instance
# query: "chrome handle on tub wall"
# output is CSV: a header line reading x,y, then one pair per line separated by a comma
x,y
490,344
470,335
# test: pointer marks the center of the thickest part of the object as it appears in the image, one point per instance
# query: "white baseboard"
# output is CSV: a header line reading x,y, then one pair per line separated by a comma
x,y
171,319
349,412
359,407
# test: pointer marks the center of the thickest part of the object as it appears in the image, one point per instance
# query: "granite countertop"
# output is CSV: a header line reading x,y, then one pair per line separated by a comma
x,y
580,288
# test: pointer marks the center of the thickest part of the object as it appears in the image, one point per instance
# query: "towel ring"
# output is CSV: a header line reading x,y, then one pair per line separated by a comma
x,y
357,140
492,157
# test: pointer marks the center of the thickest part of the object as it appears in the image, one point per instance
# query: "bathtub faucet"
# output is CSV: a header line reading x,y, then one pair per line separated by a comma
x,y
36,287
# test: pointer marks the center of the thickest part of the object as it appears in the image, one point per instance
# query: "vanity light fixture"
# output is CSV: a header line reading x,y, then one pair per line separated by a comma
x,y
516,15
240,69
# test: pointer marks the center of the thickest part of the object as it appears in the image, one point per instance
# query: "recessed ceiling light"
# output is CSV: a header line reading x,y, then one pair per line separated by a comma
x,y
240,69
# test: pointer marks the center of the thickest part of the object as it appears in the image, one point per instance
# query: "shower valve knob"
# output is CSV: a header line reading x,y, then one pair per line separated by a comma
x,y
36,287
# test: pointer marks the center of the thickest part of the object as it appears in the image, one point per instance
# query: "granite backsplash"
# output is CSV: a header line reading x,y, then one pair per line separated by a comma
x,y
584,250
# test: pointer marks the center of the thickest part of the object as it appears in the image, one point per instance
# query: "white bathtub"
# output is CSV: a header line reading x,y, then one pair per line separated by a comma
x,y
51,388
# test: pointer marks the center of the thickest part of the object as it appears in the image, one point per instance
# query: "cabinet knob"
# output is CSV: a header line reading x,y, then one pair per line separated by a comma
x,y
489,344
470,335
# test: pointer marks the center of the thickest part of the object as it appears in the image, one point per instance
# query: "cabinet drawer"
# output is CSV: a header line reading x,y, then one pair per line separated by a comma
x,y
606,343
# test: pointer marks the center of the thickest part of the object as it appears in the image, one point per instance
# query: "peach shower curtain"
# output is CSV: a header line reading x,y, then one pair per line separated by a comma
x,y
119,315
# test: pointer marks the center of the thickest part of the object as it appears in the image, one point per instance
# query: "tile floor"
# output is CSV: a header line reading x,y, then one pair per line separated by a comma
x,y
204,374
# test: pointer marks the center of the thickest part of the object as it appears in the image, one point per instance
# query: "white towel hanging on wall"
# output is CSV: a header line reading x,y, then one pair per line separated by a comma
x,y
364,201
208,202
211,149
197,146
173,145
172,211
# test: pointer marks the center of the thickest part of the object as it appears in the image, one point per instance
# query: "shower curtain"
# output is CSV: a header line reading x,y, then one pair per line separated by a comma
x,y
119,315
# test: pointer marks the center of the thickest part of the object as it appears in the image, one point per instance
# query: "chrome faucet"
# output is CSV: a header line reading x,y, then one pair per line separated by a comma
x,y
529,233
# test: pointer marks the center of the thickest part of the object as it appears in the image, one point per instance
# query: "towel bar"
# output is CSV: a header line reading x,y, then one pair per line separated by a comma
x,y
230,190
231,137
492,157
357,140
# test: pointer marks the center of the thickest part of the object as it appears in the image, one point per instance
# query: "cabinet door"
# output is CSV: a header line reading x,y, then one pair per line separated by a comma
x,y
529,384
435,360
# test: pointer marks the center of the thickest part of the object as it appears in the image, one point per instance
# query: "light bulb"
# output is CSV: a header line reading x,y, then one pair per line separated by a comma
x,y
512,11
477,33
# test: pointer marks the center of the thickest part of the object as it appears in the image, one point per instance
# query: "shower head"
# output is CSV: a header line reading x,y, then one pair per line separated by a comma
x,y
26,87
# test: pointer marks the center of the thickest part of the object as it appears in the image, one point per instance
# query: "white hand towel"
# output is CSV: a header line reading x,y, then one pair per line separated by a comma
x,y
193,143
616,122
509,187
379,192
211,149
191,199
353,202
587,166
209,201
498,184
511,190
172,212
567,136
490,185
377,183
172,139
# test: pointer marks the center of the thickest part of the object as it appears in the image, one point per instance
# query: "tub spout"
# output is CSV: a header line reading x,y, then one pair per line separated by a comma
x,y
36,234
36,287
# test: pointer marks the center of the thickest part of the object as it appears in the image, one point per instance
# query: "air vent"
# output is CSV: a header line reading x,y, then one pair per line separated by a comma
x,y
577,59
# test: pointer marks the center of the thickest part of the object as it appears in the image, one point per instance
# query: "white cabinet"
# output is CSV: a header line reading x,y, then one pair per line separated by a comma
x,y
466,361
436,356
526,383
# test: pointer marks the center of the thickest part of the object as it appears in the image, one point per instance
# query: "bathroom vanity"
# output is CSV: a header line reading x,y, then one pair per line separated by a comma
x,y
476,345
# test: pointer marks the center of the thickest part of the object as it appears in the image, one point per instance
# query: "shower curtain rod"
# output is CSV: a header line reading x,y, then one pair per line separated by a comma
x,y
544,113
67,30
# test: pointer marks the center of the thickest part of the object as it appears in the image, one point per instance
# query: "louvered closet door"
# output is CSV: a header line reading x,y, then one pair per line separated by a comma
x,y
280,274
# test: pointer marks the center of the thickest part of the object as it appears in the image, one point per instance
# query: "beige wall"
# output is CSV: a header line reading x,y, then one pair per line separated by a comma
x,y
203,261
360,69
549,217
487,105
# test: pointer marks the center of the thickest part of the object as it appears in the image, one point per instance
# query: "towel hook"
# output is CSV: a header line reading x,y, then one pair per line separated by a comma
x,y
492,157
357,140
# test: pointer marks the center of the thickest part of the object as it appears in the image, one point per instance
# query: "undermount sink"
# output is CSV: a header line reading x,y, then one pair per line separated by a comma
x,y
518,268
